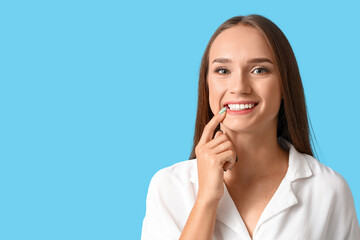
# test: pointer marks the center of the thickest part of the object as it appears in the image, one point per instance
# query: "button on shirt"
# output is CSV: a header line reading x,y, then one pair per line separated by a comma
x,y
312,202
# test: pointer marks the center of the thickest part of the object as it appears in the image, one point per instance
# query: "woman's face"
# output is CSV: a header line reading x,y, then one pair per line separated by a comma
x,y
236,75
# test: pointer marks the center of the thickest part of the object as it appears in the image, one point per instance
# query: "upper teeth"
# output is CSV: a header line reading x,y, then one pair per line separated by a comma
x,y
241,106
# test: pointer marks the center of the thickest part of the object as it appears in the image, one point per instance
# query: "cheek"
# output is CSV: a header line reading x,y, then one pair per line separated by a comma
x,y
271,94
215,93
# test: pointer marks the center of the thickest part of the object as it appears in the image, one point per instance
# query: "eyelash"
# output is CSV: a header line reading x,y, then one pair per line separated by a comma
x,y
222,68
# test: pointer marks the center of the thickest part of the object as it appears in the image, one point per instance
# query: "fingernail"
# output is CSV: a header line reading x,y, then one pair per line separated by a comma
x,y
222,110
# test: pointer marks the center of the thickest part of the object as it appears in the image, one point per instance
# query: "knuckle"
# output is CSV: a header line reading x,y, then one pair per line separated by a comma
x,y
228,144
229,155
226,137
221,135
199,150
221,138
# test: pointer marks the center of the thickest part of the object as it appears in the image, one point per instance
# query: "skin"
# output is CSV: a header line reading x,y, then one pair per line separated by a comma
x,y
262,163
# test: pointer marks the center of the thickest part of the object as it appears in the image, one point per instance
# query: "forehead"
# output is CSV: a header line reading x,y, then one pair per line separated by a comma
x,y
240,43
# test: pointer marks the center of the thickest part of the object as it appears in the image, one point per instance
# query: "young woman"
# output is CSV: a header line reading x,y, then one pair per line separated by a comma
x,y
256,177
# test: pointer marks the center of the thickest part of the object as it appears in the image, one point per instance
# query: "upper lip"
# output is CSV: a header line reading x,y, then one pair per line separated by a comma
x,y
240,102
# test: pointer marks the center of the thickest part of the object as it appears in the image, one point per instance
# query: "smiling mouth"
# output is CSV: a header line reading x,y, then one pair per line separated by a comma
x,y
240,107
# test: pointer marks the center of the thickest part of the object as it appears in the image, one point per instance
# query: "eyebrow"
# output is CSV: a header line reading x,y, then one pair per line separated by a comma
x,y
254,60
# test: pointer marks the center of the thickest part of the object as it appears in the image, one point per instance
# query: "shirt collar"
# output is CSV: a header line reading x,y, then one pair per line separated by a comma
x,y
283,198
298,166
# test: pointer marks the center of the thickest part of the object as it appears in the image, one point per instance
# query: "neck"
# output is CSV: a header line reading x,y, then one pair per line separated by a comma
x,y
259,156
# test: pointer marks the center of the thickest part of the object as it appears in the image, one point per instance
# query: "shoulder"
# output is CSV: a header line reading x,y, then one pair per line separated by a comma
x,y
326,177
171,194
174,182
329,193
176,173
169,201
329,185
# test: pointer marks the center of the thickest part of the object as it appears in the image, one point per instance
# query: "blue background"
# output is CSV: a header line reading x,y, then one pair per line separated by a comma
x,y
96,96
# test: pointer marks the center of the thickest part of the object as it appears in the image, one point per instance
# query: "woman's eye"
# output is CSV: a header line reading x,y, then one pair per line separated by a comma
x,y
217,70
261,69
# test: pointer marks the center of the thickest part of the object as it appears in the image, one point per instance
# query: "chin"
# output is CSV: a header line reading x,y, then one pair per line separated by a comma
x,y
235,126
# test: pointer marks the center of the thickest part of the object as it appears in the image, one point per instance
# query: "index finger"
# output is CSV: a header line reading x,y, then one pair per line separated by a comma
x,y
211,126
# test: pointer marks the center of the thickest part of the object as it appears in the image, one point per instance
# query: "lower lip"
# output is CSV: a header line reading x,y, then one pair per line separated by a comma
x,y
241,112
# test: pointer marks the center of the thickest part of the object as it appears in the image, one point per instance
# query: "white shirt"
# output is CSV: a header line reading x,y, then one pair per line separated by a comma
x,y
312,202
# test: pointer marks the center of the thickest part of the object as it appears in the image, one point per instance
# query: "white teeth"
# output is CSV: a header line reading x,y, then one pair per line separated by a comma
x,y
237,107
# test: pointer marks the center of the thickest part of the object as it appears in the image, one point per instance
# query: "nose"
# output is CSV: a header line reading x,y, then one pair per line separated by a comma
x,y
240,84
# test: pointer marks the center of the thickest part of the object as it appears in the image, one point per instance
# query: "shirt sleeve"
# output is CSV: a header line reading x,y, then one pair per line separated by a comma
x,y
344,223
160,222
354,229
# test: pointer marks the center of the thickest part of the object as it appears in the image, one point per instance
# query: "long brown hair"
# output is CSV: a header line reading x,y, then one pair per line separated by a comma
x,y
293,121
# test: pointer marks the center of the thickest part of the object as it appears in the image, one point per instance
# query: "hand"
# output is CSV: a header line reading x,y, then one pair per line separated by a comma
x,y
214,156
